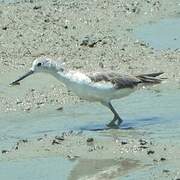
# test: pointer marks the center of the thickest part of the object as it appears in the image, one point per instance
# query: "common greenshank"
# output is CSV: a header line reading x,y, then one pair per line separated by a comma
x,y
100,87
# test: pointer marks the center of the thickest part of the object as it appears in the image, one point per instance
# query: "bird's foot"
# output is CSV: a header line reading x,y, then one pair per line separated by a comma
x,y
119,121
112,125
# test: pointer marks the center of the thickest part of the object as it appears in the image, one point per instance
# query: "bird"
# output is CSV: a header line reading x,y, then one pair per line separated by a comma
x,y
100,87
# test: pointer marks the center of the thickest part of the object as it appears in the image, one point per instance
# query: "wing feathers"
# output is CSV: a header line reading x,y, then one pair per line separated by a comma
x,y
125,81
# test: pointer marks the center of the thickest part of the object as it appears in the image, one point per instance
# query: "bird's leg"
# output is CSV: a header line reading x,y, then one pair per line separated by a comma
x,y
116,116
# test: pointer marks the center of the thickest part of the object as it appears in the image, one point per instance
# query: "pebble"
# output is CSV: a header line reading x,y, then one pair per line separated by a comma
x,y
59,108
37,7
23,141
143,142
72,158
39,139
55,142
101,65
4,28
166,171
89,41
4,151
47,20
59,138
17,146
18,102
124,142
143,147
150,152
27,109
90,140
163,159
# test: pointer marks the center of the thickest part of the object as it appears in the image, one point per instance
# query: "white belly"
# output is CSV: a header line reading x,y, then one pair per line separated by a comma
x,y
83,87
98,92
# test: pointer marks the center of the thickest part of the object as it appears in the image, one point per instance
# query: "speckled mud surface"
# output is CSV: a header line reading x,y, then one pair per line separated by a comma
x,y
88,36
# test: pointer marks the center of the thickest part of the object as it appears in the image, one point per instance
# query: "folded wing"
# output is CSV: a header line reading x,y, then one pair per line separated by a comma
x,y
125,81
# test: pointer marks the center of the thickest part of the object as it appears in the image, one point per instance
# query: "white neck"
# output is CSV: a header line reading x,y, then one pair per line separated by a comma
x,y
61,76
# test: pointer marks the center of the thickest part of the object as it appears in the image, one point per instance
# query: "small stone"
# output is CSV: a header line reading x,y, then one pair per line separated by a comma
x,y
55,142
4,151
90,140
78,66
47,149
163,159
59,108
143,147
59,138
23,140
65,27
27,109
150,152
104,42
142,142
39,139
85,41
89,41
72,158
101,65
39,103
47,20
123,142
18,102
37,7
4,28
166,171
90,150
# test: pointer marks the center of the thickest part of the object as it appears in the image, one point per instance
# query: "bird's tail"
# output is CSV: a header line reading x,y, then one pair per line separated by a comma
x,y
150,78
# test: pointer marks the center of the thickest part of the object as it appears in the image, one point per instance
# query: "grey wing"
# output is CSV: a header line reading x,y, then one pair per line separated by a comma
x,y
119,81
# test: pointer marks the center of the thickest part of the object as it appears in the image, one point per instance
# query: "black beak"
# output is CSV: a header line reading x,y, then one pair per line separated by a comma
x,y
16,82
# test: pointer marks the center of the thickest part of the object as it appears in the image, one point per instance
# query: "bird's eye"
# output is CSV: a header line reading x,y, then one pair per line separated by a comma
x,y
39,64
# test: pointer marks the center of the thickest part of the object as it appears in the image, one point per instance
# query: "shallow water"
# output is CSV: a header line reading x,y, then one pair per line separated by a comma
x,y
39,168
164,34
153,112
155,109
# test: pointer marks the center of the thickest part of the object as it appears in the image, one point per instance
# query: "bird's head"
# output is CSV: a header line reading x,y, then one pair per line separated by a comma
x,y
42,64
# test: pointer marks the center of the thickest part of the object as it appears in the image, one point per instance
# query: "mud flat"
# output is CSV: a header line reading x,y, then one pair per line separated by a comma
x,y
102,157
88,36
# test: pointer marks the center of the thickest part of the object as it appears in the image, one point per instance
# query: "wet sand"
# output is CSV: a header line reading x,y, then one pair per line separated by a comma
x,y
103,158
59,29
